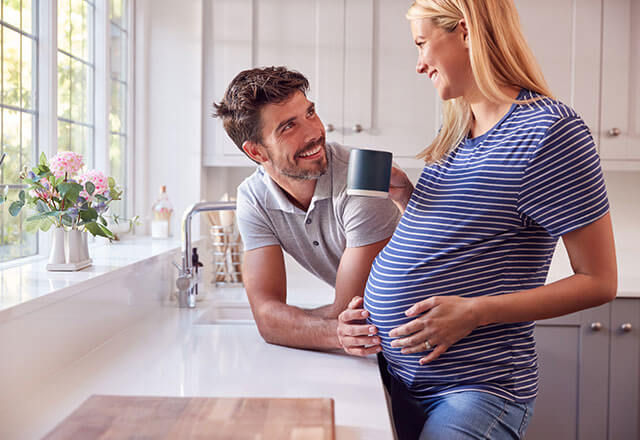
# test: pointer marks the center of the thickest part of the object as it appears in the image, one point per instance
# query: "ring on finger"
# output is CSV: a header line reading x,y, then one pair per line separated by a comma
x,y
427,345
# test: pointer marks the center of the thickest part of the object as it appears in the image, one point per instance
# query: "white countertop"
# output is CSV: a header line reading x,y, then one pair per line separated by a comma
x,y
168,355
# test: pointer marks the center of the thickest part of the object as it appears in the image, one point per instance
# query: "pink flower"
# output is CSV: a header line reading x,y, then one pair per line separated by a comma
x,y
66,162
98,179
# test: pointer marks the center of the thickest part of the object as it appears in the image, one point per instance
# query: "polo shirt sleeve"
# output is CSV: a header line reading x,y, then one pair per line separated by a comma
x,y
253,224
562,187
368,220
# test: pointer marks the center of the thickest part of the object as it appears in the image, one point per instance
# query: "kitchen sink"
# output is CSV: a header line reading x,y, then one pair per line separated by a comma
x,y
227,314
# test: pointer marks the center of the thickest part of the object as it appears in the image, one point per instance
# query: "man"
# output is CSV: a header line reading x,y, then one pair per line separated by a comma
x,y
296,201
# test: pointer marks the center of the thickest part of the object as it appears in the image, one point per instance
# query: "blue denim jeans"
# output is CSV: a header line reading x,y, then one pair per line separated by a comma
x,y
474,415
456,416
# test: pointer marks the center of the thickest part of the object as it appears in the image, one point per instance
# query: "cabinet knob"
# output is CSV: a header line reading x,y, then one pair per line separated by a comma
x,y
626,327
357,128
596,326
613,132
330,128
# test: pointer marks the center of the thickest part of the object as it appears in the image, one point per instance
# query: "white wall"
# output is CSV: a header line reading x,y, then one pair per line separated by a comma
x,y
168,107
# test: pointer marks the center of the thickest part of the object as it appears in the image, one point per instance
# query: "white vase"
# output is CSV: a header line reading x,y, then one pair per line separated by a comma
x,y
69,250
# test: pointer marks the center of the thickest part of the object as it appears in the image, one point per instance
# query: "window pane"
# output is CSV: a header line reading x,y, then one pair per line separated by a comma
x,y
64,136
11,145
118,115
81,29
118,53
80,91
28,78
64,25
82,141
116,12
117,162
28,16
14,241
64,86
10,67
28,136
11,12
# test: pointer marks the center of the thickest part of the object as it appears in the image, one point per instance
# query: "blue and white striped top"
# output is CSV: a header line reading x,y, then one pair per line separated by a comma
x,y
485,221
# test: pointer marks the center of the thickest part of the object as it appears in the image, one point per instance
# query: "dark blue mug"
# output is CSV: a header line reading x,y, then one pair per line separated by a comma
x,y
369,173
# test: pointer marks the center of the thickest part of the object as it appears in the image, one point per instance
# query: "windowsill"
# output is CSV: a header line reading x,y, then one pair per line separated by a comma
x,y
26,285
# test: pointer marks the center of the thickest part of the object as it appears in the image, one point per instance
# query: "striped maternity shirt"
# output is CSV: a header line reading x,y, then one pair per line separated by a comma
x,y
485,221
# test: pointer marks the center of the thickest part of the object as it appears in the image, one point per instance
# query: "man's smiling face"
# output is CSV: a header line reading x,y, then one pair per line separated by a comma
x,y
293,138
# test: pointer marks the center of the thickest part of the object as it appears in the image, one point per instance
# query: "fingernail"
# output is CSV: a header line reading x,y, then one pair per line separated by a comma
x,y
410,312
395,344
364,313
372,330
376,340
404,351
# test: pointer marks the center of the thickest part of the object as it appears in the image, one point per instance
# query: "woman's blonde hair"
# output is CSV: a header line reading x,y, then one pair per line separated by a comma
x,y
499,56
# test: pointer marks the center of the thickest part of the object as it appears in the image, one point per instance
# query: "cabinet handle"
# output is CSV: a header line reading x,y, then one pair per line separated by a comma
x,y
330,128
614,132
357,128
596,326
626,327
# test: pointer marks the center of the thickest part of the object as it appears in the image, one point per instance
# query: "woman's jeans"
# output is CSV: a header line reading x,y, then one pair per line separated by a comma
x,y
458,415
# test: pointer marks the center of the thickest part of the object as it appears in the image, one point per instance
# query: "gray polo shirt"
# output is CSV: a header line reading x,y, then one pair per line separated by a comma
x,y
316,238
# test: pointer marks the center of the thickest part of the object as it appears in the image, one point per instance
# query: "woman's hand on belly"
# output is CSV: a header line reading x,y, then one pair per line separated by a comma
x,y
443,321
356,336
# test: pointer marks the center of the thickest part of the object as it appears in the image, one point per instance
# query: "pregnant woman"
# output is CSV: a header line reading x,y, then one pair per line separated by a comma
x,y
452,299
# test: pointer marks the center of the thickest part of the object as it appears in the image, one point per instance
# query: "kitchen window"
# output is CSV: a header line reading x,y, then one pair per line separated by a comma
x,y
19,117
65,85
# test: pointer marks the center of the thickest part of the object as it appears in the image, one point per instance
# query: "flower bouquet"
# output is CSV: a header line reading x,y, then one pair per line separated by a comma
x,y
68,198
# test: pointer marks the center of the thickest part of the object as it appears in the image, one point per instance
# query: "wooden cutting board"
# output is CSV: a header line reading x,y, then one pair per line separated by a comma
x,y
127,417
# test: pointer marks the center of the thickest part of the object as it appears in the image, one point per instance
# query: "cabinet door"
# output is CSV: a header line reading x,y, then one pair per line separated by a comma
x,y
304,35
397,109
564,36
620,134
624,385
573,361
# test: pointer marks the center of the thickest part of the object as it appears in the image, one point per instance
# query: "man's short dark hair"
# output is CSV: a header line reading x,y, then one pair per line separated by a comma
x,y
249,91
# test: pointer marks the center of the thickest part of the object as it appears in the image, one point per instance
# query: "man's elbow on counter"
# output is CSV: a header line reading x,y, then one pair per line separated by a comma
x,y
267,327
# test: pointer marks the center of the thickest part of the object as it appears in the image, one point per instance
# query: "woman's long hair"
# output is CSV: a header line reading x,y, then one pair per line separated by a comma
x,y
499,55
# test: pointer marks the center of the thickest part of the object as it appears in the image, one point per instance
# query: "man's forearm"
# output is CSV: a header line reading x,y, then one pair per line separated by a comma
x,y
283,324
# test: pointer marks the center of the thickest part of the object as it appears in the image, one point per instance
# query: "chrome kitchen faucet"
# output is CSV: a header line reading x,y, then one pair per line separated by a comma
x,y
187,279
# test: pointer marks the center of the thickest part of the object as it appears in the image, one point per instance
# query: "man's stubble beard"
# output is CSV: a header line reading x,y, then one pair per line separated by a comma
x,y
293,172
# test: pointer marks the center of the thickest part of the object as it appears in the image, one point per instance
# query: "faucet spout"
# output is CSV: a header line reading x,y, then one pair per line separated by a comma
x,y
186,279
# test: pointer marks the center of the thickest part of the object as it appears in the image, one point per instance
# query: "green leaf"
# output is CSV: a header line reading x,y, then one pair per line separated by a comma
x,y
15,207
70,191
89,215
101,198
41,206
98,229
32,224
66,220
103,220
90,187
43,159
21,196
45,224
112,182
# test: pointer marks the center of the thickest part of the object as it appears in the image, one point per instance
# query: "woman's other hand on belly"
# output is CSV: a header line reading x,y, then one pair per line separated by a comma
x,y
442,321
356,336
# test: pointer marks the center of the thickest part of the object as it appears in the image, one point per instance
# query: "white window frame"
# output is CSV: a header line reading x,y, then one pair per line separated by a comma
x,y
48,86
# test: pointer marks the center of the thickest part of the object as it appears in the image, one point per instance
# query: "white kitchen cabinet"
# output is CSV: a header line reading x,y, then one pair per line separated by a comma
x,y
307,36
564,36
357,54
620,91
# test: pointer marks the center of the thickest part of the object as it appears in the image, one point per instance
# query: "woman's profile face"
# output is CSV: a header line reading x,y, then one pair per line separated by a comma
x,y
444,57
